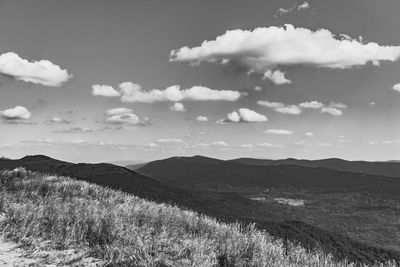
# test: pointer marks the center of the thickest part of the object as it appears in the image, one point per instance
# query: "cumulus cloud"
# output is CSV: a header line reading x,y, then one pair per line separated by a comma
x,y
280,107
332,108
104,90
396,87
132,92
291,109
16,113
258,88
269,104
304,5
245,115
118,111
128,118
266,49
278,132
124,116
311,104
42,72
332,111
201,118
276,76
179,107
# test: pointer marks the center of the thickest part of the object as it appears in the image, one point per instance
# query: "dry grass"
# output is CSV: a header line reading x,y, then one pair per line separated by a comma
x,y
124,230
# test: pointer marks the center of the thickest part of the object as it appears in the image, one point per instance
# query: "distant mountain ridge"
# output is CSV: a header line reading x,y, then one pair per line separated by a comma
x,y
385,168
189,171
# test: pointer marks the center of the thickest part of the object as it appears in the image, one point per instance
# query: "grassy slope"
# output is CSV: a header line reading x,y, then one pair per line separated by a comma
x,y
228,207
125,230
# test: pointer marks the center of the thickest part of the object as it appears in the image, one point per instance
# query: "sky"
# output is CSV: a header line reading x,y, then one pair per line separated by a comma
x,y
93,81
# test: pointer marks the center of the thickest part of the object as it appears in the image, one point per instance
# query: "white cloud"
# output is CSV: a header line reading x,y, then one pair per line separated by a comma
x,y
333,107
304,5
179,107
396,87
337,105
311,104
278,132
309,134
132,92
56,120
42,72
152,145
284,11
74,130
16,113
372,142
266,144
277,77
202,118
220,144
118,111
270,104
169,140
258,88
291,109
221,121
125,116
268,48
233,117
128,118
280,107
245,115
104,90
332,111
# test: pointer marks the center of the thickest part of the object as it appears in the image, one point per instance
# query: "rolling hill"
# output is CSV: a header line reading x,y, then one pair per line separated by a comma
x,y
227,206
